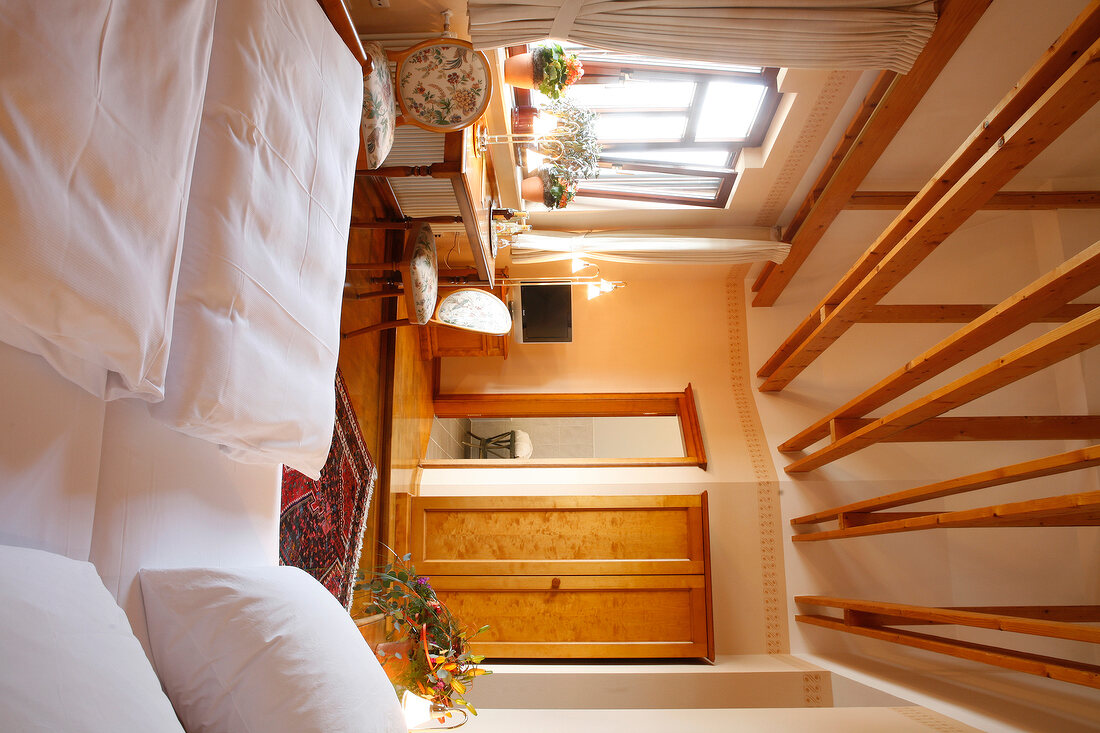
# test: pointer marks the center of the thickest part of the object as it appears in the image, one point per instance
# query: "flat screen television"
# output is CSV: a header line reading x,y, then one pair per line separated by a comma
x,y
543,314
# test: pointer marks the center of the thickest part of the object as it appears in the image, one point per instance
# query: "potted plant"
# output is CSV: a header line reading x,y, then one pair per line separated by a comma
x,y
427,649
553,185
546,68
573,143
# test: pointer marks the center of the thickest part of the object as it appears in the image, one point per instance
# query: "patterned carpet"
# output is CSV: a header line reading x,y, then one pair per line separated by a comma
x,y
321,523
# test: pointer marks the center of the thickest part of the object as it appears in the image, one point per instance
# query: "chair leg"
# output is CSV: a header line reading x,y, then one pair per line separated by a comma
x,y
376,327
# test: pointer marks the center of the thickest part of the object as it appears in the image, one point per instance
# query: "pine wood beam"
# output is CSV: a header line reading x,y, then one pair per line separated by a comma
x,y
1061,343
1045,295
958,313
1073,95
957,18
882,84
1016,427
1058,669
1073,460
870,613
1014,110
1003,201
1070,510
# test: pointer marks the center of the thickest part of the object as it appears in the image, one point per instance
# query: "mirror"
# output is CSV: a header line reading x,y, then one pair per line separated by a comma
x,y
633,436
565,430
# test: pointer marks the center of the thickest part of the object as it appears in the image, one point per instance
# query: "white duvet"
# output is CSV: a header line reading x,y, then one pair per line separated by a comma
x,y
257,324
99,114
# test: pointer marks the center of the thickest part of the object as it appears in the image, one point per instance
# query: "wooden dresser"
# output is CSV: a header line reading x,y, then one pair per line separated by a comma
x,y
571,576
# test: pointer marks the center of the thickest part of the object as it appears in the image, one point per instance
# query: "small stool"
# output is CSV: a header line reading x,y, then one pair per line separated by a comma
x,y
512,444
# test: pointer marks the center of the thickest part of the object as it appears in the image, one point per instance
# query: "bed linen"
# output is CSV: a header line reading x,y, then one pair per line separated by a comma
x,y
94,181
256,331
70,662
168,500
50,439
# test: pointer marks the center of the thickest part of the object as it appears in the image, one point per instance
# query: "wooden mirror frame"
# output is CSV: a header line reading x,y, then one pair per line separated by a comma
x,y
610,404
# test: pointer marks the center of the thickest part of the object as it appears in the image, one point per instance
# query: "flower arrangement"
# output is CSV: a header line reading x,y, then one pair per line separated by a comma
x,y
554,70
432,659
559,186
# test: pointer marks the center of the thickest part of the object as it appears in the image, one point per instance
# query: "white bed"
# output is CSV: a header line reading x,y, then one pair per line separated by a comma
x,y
175,197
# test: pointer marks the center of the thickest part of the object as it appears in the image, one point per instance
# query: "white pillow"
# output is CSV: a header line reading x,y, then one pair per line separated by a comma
x,y
69,660
263,649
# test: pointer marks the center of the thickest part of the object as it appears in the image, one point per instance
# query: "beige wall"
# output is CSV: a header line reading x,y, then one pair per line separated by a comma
x,y
666,329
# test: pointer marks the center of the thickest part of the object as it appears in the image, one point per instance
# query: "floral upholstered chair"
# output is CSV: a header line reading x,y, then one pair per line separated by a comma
x,y
379,111
419,270
468,309
473,309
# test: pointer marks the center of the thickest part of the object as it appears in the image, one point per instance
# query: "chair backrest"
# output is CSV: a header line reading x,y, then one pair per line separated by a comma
x,y
420,274
443,84
473,309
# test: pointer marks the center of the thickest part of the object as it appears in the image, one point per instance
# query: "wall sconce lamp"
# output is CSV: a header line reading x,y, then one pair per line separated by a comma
x,y
594,285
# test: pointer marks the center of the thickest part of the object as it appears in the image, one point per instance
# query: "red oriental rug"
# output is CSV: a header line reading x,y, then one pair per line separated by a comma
x,y
321,523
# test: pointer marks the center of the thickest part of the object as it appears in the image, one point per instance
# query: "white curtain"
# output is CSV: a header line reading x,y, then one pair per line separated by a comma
x,y
829,34
643,247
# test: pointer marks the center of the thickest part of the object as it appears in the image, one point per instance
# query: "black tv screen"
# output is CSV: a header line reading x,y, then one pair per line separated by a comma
x,y
547,313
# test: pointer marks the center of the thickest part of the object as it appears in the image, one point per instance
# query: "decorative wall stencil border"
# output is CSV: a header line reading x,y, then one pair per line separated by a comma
x,y
813,690
767,485
798,160
933,720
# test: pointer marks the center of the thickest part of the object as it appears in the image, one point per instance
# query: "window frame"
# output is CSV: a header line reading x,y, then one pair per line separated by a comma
x,y
600,71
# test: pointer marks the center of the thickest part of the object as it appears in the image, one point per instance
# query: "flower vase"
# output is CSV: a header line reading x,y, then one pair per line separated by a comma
x,y
519,71
531,189
392,665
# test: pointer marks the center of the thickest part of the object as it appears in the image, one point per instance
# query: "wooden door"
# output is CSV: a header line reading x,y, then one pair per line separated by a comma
x,y
571,576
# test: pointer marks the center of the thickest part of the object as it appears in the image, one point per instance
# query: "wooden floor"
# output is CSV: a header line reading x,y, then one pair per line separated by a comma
x,y
389,384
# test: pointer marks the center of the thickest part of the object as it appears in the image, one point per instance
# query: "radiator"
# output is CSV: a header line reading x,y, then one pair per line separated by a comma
x,y
421,196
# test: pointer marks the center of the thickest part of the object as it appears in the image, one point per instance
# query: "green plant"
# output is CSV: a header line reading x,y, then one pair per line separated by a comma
x,y
573,143
438,664
559,186
554,69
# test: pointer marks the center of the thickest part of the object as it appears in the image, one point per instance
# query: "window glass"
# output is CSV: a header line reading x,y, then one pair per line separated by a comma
x,y
670,130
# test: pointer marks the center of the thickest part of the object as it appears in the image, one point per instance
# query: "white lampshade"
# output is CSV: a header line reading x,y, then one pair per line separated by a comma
x,y
418,711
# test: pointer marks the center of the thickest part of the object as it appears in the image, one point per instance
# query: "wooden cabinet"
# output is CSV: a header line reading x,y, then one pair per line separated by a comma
x,y
571,576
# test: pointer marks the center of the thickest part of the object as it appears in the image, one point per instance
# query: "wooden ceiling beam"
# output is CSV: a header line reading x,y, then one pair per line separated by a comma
x,y
1046,294
907,242
1074,41
863,144
1043,666
960,313
1003,201
1071,338
1073,460
879,613
1010,427
1070,510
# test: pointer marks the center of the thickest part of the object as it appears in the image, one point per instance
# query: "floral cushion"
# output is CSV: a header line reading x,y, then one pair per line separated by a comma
x,y
378,106
445,86
475,310
423,285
